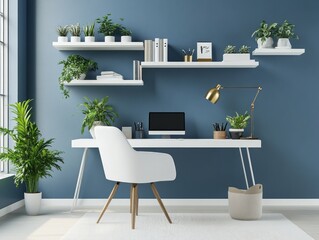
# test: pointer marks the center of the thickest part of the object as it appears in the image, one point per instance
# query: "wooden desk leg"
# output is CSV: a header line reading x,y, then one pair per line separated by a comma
x,y
250,166
79,181
244,168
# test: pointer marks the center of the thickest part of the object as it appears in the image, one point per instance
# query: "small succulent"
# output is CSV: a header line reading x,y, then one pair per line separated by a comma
x,y
286,30
63,30
89,30
220,127
75,30
244,49
230,49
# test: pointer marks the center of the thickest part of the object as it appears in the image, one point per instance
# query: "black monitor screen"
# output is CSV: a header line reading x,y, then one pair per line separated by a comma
x,y
167,121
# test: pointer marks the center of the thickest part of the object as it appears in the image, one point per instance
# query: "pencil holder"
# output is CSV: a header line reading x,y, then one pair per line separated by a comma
x,y
188,58
219,134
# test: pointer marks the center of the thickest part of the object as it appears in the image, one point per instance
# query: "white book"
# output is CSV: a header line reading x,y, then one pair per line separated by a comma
x,y
156,49
161,48
108,72
165,50
109,78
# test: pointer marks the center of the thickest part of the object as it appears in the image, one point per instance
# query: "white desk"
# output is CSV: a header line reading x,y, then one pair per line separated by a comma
x,y
171,143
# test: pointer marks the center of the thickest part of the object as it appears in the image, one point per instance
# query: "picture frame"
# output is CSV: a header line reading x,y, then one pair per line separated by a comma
x,y
204,51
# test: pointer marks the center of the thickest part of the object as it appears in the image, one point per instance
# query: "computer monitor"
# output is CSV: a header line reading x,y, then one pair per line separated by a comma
x,y
166,123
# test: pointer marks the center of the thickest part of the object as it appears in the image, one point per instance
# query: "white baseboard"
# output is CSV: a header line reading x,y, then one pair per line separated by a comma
x,y
177,202
11,208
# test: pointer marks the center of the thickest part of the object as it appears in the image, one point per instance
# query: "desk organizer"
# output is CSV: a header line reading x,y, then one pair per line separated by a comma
x,y
245,204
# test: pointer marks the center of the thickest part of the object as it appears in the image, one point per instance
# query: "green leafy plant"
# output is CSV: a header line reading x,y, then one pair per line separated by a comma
x,y
125,32
244,49
73,67
286,30
265,31
97,110
63,30
230,49
89,30
75,30
239,121
31,155
107,27
220,127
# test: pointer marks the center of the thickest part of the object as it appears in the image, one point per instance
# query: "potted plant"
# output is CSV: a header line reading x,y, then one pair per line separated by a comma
x,y
75,67
107,27
126,34
97,112
220,130
63,33
264,34
284,32
238,124
31,155
75,31
89,33
230,53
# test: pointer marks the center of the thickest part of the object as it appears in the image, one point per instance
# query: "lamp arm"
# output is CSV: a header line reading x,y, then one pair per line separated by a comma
x,y
252,105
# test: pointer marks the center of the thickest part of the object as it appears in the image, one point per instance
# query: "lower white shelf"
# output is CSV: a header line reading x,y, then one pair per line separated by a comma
x,y
105,83
278,51
239,64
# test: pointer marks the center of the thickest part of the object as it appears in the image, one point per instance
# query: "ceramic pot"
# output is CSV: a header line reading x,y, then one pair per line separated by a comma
x,y
266,44
75,39
126,38
283,43
233,57
236,133
219,134
62,39
32,203
109,39
89,39
96,123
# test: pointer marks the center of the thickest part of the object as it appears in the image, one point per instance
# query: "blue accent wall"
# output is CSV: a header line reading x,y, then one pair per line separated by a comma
x,y
286,112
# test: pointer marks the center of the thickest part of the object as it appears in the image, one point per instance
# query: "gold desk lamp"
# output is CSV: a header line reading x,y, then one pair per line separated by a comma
x,y
213,96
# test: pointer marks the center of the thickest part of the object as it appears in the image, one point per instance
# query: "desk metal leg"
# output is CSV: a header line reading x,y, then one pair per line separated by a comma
x,y
250,166
244,168
80,176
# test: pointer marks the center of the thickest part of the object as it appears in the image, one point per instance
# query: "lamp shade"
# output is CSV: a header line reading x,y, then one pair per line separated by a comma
x,y
213,94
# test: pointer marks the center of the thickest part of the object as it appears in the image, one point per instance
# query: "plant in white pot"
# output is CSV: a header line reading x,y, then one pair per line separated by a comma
x,y
75,67
63,33
264,34
107,27
238,123
31,155
231,55
89,33
126,34
284,32
97,113
75,31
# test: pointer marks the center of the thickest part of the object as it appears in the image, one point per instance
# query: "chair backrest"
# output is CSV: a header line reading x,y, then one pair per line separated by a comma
x,y
116,152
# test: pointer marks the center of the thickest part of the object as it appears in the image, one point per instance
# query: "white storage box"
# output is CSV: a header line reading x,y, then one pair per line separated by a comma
x,y
245,204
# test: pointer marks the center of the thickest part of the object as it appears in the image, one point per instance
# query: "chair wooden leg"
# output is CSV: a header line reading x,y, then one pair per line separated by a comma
x,y
136,202
116,186
156,194
131,198
133,215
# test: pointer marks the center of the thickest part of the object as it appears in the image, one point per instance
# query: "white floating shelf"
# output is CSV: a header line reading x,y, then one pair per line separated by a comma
x,y
105,83
88,46
278,52
247,64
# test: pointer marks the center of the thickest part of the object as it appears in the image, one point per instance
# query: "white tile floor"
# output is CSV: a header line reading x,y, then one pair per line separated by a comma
x,y
53,223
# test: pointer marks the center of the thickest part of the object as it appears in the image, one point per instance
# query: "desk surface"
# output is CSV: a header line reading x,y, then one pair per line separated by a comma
x,y
177,143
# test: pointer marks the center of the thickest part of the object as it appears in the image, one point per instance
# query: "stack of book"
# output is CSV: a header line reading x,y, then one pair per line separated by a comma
x,y
156,51
109,75
137,70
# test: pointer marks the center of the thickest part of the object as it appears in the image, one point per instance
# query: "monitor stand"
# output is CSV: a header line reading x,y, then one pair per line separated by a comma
x,y
166,136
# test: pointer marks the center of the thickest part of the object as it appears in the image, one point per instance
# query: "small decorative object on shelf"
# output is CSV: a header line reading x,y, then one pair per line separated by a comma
x,y
126,34
75,31
188,56
73,67
238,124
97,113
138,130
284,32
63,33
230,54
220,130
109,75
204,52
264,34
89,33
107,27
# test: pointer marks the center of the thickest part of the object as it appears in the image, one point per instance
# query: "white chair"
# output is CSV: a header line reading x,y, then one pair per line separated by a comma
x,y
122,164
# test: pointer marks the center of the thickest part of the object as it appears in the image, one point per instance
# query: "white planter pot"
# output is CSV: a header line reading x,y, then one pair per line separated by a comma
x,y
82,77
75,39
266,44
235,57
109,39
89,39
32,203
126,38
96,123
283,43
62,39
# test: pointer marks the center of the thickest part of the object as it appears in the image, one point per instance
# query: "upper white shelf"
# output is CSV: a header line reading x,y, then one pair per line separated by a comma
x,y
109,82
247,64
278,52
105,46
